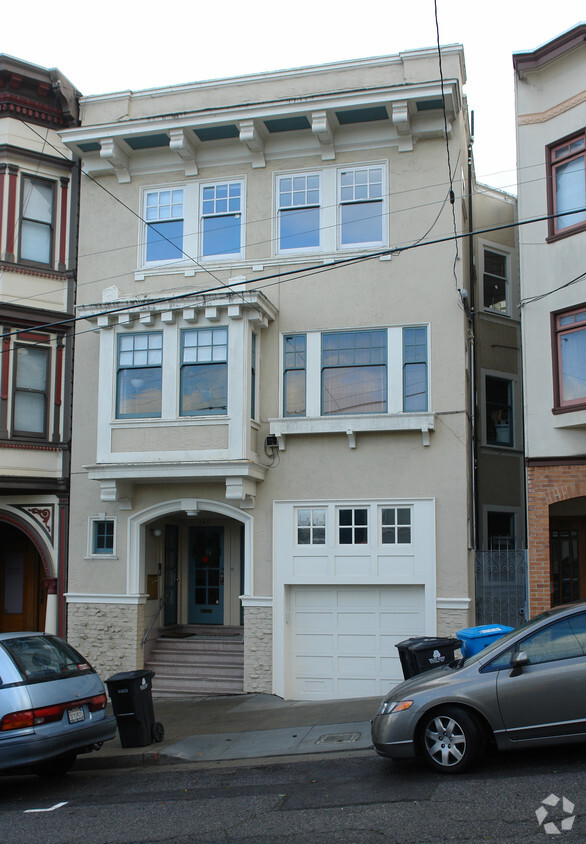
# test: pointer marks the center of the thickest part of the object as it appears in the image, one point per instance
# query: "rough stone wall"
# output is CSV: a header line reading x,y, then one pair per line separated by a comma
x,y
450,621
546,485
108,635
258,649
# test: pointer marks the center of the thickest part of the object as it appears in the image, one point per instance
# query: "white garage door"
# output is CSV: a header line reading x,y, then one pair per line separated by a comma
x,y
341,640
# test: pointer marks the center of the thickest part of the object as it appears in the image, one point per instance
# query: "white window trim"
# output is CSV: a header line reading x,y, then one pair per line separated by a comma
x,y
91,554
395,544
330,216
192,226
394,418
491,246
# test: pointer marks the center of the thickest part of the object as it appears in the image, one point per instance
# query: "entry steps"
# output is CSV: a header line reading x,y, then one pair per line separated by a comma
x,y
198,660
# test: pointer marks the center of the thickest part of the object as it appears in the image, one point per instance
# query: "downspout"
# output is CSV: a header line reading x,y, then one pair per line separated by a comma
x,y
471,314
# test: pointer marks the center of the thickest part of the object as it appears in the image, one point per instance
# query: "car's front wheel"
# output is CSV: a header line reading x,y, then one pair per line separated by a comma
x,y
452,741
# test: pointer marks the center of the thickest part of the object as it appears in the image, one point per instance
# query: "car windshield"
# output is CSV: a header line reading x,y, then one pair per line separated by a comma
x,y
502,640
43,658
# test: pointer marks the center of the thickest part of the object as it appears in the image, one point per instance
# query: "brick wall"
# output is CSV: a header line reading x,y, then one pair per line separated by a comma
x,y
108,635
258,649
546,485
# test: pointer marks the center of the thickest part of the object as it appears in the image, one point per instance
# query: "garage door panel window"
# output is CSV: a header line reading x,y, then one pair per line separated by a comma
x,y
395,525
353,526
311,526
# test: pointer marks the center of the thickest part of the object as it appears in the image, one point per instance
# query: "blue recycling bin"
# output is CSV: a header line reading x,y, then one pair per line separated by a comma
x,y
474,639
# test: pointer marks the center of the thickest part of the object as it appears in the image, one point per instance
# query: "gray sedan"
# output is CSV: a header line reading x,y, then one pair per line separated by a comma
x,y
52,704
526,689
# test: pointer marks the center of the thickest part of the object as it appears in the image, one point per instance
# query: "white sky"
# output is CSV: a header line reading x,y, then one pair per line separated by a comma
x,y
108,47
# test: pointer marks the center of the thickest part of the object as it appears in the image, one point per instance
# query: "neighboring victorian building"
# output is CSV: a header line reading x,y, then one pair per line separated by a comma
x,y
274,373
38,229
551,116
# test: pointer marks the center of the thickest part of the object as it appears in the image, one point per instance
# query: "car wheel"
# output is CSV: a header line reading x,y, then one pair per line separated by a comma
x,y
58,766
452,740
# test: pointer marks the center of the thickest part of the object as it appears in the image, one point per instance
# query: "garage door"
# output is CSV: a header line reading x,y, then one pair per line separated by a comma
x,y
341,640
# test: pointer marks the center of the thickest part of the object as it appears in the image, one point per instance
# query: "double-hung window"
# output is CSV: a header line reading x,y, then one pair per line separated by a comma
x,y
37,221
570,358
139,377
299,199
294,374
31,384
495,281
414,369
354,372
499,411
204,372
568,185
164,217
221,219
360,192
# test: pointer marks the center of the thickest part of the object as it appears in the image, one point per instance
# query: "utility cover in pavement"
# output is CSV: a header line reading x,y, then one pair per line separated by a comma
x,y
338,738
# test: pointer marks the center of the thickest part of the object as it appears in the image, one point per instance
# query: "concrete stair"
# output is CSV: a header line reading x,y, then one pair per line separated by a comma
x,y
198,660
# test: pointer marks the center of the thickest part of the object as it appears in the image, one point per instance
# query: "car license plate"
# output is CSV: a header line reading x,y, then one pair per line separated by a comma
x,y
76,714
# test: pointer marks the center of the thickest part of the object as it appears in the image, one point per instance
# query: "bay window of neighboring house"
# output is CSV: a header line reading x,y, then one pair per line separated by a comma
x,y
567,181
30,391
139,376
569,359
499,411
221,219
37,221
354,371
204,372
495,281
164,217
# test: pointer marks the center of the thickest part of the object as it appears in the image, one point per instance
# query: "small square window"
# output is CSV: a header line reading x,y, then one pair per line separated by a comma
x,y
396,525
102,539
311,526
353,526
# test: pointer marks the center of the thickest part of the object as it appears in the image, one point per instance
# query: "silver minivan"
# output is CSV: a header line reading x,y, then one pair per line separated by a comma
x,y
52,704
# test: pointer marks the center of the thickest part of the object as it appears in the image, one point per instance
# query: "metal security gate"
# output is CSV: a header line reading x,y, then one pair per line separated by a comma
x,y
501,587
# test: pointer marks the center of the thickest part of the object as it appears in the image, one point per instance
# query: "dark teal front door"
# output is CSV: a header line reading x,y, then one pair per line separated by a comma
x,y
206,575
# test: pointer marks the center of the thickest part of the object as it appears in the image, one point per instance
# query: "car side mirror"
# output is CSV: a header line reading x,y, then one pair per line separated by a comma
x,y
518,662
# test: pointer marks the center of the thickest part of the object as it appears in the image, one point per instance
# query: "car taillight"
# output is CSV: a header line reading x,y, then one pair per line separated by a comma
x,y
17,720
94,704
49,714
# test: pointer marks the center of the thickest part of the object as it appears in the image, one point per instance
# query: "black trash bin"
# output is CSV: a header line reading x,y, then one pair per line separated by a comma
x,y
132,702
422,653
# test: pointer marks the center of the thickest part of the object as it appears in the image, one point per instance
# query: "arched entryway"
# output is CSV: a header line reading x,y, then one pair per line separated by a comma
x,y
567,542
23,582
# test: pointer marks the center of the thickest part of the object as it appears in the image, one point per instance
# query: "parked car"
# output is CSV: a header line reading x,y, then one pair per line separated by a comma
x,y
52,704
526,689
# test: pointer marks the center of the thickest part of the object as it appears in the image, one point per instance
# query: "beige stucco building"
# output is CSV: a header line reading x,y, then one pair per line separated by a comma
x,y
274,370
551,115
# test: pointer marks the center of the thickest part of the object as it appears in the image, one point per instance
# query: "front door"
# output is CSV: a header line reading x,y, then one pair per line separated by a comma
x,y
22,598
206,575
568,559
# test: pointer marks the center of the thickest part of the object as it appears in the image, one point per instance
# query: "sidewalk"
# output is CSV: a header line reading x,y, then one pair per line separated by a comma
x,y
248,726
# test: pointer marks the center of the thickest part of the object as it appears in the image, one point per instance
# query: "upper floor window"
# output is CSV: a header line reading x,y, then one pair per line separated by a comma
x,y
499,411
139,381
414,369
164,230
37,221
568,185
361,205
221,219
339,372
354,372
31,385
299,211
204,372
570,358
495,281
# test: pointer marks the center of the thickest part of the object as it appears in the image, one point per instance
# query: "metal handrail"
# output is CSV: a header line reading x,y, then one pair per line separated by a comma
x,y
162,603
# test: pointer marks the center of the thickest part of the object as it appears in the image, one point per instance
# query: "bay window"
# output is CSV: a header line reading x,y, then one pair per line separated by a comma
x,y
37,221
568,185
570,358
204,372
139,378
31,385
